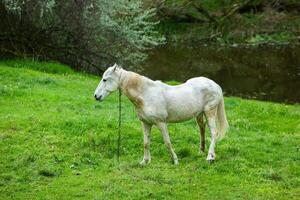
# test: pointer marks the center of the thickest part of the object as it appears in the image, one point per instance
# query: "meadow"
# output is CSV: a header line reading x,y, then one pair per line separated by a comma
x,y
57,142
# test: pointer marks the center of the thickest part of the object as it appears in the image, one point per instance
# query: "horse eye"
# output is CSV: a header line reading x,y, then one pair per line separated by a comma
x,y
104,80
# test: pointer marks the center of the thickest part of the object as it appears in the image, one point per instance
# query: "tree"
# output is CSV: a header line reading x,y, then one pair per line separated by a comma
x,y
86,34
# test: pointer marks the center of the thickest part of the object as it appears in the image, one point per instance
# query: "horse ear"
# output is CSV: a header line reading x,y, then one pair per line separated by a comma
x,y
115,66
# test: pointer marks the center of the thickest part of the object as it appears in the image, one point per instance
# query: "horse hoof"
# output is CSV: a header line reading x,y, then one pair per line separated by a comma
x,y
211,157
210,161
201,151
144,162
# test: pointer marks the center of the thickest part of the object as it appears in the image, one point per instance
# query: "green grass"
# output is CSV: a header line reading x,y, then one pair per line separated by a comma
x,y
57,142
49,66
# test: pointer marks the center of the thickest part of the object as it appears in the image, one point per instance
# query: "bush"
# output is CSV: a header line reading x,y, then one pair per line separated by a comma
x,y
86,34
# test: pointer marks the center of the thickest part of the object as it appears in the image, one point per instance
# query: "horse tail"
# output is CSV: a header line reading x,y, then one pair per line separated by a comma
x,y
222,119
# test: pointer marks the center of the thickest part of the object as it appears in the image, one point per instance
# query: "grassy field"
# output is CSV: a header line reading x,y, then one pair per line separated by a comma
x,y
57,142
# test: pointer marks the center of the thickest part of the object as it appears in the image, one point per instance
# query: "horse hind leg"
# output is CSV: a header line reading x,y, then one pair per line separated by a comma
x,y
211,118
201,125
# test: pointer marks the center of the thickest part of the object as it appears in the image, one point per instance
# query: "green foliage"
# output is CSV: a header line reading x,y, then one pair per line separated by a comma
x,y
216,5
83,34
235,22
57,142
133,26
41,10
277,38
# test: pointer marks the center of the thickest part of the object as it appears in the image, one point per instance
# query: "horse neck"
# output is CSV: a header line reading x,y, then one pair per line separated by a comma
x,y
132,85
130,81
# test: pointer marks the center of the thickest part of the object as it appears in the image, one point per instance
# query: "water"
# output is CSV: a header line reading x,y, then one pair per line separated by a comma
x,y
267,73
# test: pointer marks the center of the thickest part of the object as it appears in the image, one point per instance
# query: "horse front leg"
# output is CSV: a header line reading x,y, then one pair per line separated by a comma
x,y
164,130
147,131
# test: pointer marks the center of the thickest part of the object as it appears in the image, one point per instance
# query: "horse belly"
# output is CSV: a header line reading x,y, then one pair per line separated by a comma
x,y
184,109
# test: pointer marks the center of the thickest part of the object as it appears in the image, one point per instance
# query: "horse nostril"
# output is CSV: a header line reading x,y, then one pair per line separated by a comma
x,y
98,98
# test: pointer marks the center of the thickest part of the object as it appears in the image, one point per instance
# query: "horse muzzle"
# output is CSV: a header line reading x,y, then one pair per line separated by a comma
x,y
98,98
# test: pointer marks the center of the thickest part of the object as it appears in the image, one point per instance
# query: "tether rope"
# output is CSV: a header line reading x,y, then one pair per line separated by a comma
x,y
119,127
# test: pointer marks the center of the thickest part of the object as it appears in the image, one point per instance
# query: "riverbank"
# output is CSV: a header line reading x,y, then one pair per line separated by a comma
x,y
226,23
57,142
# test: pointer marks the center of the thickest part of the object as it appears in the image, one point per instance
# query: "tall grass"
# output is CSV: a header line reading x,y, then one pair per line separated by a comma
x,y
49,66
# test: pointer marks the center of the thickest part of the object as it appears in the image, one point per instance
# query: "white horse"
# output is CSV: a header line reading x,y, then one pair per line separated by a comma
x,y
157,104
